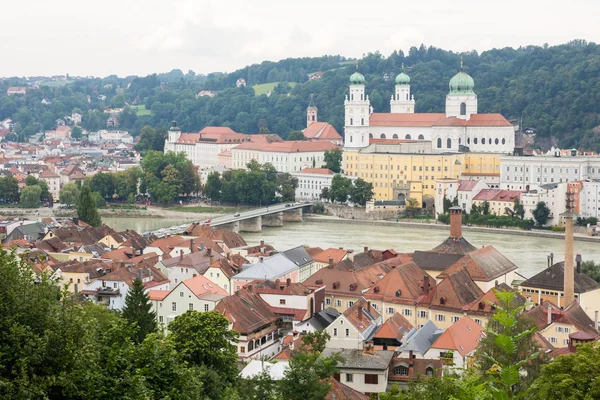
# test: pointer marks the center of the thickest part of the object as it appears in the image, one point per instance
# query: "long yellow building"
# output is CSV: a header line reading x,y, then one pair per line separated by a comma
x,y
398,175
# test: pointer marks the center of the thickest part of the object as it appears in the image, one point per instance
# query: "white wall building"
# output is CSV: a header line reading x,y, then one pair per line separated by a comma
x,y
311,182
590,199
528,173
555,197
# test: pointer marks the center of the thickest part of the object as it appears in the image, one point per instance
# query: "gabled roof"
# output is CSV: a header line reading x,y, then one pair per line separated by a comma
x,y
131,238
359,359
339,391
247,311
269,268
323,256
573,315
158,295
201,286
230,238
420,340
456,291
200,261
320,171
403,285
462,336
485,304
361,260
467,185
396,327
454,246
361,315
321,131
435,261
553,278
484,264
282,288
298,255
498,195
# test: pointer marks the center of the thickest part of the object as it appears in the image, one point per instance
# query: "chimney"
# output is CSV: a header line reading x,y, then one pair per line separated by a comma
x,y
330,262
277,283
369,348
360,312
455,222
180,255
209,251
569,270
369,307
288,281
192,246
366,249
250,288
578,260
549,318
426,283
596,320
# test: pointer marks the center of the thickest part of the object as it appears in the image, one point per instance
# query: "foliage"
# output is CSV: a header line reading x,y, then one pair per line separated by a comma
x,y
339,191
9,189
30,196
166,176
212,188
86,208
296,135
98,200
333,160
490,220
447,204
318,207
572,376
33,181
582,221
361,192
138,311
204,339
69,194
591,269
76,132
316,340
541,213
557,228
104,184
466,387
518,208
485,208
151,139
305,377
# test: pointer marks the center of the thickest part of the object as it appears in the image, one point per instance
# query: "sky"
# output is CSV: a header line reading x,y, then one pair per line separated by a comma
x,y
140,37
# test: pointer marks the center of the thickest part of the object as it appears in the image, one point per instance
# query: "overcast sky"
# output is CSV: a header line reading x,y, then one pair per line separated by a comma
x,y
139,37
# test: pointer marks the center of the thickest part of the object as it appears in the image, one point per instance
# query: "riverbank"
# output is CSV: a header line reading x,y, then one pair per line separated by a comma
x,y
439,226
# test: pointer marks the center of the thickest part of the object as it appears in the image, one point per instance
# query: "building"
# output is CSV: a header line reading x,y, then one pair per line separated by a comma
x,y
554,195
197,293
354,327
391,334
61,132
16,90
459,127
187,266
457,344
409,369
311,182
316,130
289,156
501,202
528,173
52,179
590,199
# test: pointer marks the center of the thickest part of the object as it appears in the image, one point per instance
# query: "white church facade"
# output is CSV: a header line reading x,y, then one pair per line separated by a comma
x,y
460,128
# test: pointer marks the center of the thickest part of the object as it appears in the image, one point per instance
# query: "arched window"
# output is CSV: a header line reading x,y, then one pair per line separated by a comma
x,y
313,117
474,140
350,138
352,96
370,136
496,141
251,345
351,120
439,143
382,136
406,96
468,140
503,141
421,137
429,371
449,143
463,109
395,136
482,140
362,121
407,137
401,370
361,96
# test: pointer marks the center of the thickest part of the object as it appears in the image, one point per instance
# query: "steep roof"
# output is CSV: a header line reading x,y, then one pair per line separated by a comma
x,y
324,255
158,294
467,184
484,264
229,238
454,246
321,131
456,291
498,195
361,315
435,261
131,238
403,285
277,287
200,261
420,340
485,304
573,315
298,255
553,278
269,268
359,359
462,336
247,311
201,286
396,327
339,391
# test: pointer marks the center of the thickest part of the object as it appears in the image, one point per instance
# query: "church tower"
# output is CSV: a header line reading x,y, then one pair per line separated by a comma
x,y
357,109
461,101
174,133
402,102
311,112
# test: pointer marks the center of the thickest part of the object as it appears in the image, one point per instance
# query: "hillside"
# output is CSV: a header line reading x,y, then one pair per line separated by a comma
x,y
555,89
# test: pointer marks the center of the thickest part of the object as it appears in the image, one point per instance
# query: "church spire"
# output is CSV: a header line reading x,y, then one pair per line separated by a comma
x,y
311,104
461,64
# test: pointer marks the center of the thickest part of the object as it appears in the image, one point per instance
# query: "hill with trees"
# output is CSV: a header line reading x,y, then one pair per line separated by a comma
x,y
554,89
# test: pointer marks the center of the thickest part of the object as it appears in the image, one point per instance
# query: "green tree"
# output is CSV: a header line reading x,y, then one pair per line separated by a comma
x,y
212,187
339,189
69,194
86,208
591,269
518,208
98,200
287,185
138,311
325,193
151,139
10,189
316,341
572,376
412,205
260,387
361,192
76,132
204,339
296,135
104,184
306,377
541,213
30,196
485,208
333,160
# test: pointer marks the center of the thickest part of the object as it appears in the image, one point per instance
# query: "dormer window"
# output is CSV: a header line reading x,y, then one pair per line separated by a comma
x,y
442,301
398,293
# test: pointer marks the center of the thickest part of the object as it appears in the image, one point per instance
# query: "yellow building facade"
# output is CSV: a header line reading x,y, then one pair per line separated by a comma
x,y
414,175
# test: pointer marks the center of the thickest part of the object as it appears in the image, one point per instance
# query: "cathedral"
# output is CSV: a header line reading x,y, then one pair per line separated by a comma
x,y
460,128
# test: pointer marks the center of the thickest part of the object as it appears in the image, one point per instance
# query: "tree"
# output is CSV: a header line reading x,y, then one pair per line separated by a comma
x,y
591,269
572,376
30,196
138,311
541,213
485,207
305,379
104,184
86,208
10,189
204,339
333,160
361,192
316,340
339,189
212,187
325,193
296,135
76,132
518,208
412,205
151,139
69,194
287,185
98,200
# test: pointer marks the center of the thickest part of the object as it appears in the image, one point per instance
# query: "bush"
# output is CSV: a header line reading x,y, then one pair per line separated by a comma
x,y
492,221
318,207
557,228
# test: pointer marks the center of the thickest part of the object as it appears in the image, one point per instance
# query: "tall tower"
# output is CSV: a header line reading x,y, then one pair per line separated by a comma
x,y
311,112
174,132
569,265
461,101
357,109
401,102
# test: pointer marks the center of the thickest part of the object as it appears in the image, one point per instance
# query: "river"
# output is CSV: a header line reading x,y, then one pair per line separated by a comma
x,y
527,252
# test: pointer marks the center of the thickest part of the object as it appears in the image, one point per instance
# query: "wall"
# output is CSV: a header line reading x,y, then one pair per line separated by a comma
x,y
358,213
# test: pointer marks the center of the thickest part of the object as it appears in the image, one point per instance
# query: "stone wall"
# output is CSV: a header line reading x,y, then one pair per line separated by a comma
x,y
358,213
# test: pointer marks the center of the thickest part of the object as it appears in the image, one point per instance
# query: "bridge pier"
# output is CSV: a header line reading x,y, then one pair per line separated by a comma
x,y
232,226
274,220
251,224
294,215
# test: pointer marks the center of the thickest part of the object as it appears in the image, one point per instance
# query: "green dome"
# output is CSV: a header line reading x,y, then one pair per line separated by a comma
x,y
402,79
357,79
462,83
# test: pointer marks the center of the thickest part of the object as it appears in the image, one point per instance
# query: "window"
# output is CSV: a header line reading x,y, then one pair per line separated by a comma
x,y
160,319
477,321
191,306
422,314
347,332
174,306
408,137
390,310
440,317
421,137
463,109
439,143
351,121
251,345
553,340
328,302
362,121
350,304
206,307
338,303
449,143
282,301
429,371
180,294
371,379
349,378
566,342
401,370
455,319
242,349
334,331
407,312
474,140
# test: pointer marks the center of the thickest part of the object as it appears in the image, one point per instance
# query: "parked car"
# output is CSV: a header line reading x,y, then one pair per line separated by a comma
x,y
207,221
236,214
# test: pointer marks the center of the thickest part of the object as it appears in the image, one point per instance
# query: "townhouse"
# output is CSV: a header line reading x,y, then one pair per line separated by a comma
x,y
354,327
456,345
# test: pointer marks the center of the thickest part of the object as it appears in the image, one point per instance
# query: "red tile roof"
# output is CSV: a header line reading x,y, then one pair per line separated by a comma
x,y
498,195
322,131
247,311
158,294
200,286
484,264
323,171
415,119
403,285
361,320
462,336
394,328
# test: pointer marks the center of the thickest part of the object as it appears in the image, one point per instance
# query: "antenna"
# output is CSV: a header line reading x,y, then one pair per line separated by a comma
x,y
461,63
357,64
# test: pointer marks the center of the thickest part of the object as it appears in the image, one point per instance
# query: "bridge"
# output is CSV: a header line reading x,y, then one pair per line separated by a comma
x,y
251,220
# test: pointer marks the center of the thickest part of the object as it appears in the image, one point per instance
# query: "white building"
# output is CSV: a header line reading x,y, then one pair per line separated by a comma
x,y
528,173
52,179
311,182
289,156
461,190
460,125
590,199
555,197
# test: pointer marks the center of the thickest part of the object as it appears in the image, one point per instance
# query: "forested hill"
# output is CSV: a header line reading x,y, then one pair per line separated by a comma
x,y
555,89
